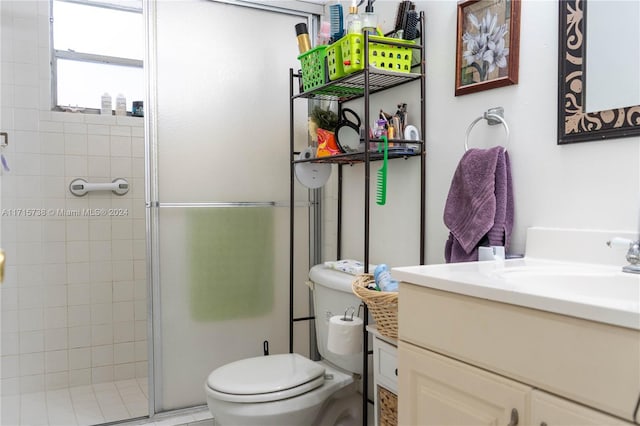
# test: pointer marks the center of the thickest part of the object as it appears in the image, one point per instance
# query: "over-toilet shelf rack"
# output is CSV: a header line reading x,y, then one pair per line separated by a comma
x,y
360,85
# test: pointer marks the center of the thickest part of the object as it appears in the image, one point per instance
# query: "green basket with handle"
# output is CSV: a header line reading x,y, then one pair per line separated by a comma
x,y
313,67
335,61
382,56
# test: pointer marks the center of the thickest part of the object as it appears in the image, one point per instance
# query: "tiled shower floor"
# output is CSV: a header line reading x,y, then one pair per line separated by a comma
x,y
77,406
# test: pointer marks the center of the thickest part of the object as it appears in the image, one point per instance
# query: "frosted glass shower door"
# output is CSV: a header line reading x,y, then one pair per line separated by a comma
x,y
222,188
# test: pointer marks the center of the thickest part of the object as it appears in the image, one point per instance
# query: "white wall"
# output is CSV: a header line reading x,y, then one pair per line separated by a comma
x,y
594,185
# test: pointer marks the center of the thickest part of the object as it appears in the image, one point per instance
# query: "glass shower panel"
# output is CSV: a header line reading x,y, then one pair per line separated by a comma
x,y
223,189
223,292
223,96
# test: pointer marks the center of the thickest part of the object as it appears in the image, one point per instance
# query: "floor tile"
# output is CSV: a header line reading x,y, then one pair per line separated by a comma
x,y
84,405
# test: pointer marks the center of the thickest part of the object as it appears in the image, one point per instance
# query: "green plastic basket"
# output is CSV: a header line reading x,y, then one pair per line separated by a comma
x,y
383,56
334,61
313,66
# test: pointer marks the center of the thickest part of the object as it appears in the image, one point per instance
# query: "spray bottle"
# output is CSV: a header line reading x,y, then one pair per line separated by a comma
x,y
304,43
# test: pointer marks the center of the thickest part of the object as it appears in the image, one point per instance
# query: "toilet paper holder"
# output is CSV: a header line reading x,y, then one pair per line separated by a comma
x,y
353,312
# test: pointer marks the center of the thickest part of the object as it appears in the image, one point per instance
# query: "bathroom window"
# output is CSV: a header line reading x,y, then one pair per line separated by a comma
x,y
98,47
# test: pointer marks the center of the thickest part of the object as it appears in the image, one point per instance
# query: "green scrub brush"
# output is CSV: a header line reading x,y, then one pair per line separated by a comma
x,y
381,194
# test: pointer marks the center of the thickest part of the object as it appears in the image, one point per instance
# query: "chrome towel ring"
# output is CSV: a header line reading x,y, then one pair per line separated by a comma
x,y
493,116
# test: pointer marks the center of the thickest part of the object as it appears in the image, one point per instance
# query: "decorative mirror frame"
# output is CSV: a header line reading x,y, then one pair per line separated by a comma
x,y
574,124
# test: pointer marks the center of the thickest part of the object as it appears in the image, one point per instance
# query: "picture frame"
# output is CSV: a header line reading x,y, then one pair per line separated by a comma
x,y
487,45
575,122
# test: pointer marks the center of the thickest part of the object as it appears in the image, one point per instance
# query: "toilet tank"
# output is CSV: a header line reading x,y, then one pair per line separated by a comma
x,y
332,295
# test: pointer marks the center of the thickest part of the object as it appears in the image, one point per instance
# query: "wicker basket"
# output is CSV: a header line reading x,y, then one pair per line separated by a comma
x,y
383,305
388,414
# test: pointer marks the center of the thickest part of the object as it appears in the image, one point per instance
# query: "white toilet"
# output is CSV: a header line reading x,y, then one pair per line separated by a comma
x,y
289,389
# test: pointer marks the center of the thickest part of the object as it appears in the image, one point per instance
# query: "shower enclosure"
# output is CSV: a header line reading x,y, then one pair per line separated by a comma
x,y
218,189
118,306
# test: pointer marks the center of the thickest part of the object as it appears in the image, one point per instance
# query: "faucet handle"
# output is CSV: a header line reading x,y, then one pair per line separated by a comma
x,y
619,241
633,252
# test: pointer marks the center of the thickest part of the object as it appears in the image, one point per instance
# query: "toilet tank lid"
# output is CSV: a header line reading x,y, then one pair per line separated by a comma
x,y
263,374
331,278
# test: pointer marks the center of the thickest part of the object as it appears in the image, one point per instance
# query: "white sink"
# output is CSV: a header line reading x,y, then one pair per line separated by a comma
x,y
585,283
596,292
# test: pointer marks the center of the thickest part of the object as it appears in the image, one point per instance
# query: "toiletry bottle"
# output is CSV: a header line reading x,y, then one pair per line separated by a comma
x,y
354,21
304,43
121,104
381,128
370,20
105,104
325,33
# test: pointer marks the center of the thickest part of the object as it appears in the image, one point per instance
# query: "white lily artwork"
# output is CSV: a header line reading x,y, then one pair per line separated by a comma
x,y
485,46
488,33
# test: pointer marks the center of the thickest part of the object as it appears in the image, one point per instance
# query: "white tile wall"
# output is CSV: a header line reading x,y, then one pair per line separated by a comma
x,y
74,296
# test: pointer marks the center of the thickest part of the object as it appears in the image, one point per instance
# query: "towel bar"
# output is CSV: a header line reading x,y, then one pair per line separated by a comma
x,y
493,116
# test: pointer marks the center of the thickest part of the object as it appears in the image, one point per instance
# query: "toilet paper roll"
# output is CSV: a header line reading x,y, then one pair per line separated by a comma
x,y
344,337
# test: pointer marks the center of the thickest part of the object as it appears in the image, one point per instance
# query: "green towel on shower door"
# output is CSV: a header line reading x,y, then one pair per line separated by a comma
x,y
231,250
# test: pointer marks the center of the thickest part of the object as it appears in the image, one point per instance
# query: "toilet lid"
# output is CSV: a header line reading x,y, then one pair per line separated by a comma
x,y
266,378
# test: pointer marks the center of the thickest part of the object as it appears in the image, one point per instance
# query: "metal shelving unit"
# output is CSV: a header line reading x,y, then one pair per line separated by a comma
x,y
359,85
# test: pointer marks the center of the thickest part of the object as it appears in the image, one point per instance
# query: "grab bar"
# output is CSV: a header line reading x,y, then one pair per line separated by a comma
x,y
493,116
80,187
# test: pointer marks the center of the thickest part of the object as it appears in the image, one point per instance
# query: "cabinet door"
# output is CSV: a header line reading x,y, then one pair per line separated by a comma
x,y
550,410
435,390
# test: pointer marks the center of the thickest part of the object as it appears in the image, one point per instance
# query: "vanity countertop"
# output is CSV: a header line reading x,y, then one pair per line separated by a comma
x,y
594,292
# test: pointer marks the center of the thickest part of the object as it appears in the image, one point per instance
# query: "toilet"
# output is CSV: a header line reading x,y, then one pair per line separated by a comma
x,y
289,389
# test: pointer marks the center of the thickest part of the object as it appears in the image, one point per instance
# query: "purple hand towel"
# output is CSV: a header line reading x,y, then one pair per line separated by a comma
x,y
479,205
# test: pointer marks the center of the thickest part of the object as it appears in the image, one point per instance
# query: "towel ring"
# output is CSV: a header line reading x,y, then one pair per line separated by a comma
x,y
493,116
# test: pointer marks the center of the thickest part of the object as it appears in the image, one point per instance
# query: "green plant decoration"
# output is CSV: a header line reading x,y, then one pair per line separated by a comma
x,y
324,119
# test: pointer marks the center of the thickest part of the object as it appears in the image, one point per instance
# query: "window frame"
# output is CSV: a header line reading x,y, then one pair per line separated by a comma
x,y
83,56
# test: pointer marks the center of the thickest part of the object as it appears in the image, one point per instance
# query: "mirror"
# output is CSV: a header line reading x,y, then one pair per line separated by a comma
x,y
575,122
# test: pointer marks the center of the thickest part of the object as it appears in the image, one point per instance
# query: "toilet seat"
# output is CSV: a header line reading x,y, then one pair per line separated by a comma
x,y
265,378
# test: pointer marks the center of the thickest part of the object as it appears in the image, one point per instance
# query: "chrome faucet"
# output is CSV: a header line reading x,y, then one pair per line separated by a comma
x,y
633,254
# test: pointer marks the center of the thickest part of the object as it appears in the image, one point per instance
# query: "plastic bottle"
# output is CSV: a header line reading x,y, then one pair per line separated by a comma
x,y
354,21
370,20
121,104
383,280
324,35
105,104
381,128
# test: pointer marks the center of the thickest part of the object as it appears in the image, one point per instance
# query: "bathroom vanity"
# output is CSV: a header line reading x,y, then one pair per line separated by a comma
x,y
526,341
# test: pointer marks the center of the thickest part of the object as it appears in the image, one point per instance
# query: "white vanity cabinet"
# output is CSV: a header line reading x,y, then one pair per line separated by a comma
x,y
437,390
469,360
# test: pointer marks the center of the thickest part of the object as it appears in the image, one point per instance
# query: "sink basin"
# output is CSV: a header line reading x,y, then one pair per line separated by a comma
x,y
599,293
591,285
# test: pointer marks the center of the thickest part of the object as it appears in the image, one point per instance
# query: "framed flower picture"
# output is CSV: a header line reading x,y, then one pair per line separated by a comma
x,y
487,45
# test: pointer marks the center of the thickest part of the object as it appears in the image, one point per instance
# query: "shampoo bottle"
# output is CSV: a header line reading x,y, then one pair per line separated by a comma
x,y
354,21
105,104
121,105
